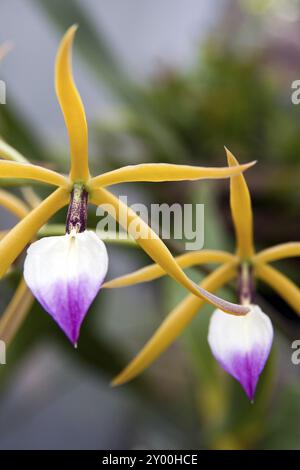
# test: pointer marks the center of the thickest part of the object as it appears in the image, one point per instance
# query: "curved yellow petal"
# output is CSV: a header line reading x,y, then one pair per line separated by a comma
x,y
18,237
152,172
154,271
284,250
156,249
15,312
241,210
72,108
13,204
9,153
174,324
286,288
10,169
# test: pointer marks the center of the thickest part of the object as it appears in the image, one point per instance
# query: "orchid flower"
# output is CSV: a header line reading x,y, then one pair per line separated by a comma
x,y
66,272
241,344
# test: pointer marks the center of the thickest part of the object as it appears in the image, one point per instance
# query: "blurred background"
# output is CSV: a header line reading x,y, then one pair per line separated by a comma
x,y
166,81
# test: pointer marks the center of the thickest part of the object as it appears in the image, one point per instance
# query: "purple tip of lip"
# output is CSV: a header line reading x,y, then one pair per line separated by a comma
x,y
68,305
246,368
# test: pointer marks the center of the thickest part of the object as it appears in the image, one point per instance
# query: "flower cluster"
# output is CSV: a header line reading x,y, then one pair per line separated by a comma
x,y
65,273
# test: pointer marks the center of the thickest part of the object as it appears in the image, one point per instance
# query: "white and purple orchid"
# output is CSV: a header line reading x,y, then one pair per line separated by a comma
x,y
65,273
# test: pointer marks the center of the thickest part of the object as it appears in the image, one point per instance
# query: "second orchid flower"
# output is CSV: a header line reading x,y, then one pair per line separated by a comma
x,y
241,344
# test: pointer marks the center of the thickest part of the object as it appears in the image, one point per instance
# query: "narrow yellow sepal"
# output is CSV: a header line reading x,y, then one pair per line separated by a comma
x,y
21,234
286,288
10,169
155,172
72,108
157,250
241,210
7,152
154,271
284,250
174,324
15,313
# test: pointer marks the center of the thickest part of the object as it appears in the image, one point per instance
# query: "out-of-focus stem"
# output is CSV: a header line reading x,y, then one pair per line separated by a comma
x,y
15,312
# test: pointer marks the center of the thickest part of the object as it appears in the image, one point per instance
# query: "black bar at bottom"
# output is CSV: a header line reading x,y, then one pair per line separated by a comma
x,y
137,458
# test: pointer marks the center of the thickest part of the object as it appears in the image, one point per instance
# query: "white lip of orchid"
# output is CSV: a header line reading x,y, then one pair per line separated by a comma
x,y
65,274
241,345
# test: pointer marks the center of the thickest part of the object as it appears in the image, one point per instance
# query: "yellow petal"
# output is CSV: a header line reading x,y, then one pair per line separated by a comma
x,y
18,237
286,288
9,153
156,249
33,172
154,271
13,204
72,108
15,313
284,250
164,172
241,210
174,324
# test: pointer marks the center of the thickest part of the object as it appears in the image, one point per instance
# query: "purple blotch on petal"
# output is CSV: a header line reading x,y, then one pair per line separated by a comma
x,y
246,368
241,345
68,304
